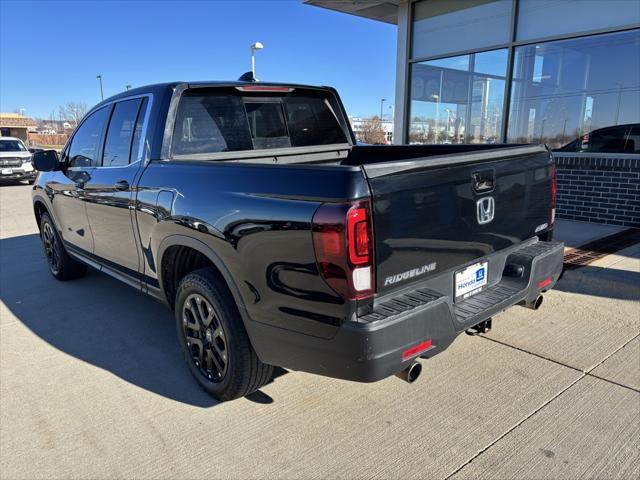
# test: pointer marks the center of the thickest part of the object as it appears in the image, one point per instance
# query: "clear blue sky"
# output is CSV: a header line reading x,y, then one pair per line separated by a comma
x,y
51,51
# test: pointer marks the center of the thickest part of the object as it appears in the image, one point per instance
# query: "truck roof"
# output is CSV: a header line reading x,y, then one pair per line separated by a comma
x,y
161,88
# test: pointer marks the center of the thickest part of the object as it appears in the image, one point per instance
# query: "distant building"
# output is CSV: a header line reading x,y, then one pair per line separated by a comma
x,y
51,127
358,122
15,125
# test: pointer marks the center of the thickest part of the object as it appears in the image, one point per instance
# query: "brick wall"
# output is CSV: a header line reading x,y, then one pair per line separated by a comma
x,y
601,189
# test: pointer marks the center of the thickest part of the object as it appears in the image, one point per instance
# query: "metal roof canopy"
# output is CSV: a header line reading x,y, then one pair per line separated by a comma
x,y
381,10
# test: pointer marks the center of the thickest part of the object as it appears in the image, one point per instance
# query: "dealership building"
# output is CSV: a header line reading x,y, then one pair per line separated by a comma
x,y
525,71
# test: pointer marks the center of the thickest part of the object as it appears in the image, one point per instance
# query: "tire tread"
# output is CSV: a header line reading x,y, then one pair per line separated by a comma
x,y
70,268
249,373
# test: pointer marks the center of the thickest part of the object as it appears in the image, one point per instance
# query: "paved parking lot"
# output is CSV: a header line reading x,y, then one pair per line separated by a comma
x,y
92,384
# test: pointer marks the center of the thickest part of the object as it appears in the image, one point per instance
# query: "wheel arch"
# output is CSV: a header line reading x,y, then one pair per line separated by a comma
x,y
177,248
40,207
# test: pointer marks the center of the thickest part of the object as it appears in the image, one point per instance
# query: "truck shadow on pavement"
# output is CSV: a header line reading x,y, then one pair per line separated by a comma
x,y
621,284
100,321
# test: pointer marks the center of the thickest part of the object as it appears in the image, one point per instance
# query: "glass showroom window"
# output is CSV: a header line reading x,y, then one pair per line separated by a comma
x,y
458,99
562,90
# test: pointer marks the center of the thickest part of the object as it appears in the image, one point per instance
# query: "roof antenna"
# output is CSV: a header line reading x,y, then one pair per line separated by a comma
x,y
247,77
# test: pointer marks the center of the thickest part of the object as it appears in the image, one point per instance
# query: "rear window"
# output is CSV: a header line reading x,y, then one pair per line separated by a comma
x,y
217,120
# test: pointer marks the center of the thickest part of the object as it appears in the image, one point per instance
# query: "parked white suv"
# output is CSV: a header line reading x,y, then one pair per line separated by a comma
x,y
15,160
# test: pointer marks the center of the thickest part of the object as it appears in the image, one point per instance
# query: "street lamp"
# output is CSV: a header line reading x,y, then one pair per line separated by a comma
x,y
128,87
382,100
254,46
619,98
437,99
449,112
99,77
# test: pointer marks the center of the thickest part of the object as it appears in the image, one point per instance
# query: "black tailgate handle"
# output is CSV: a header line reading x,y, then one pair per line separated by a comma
x,y
483,181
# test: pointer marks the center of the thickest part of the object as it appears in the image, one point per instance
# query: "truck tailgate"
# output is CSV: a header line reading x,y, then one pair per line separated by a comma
x,y
443,212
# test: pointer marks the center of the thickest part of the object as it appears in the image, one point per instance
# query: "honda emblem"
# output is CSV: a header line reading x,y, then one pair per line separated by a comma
x,y
486,210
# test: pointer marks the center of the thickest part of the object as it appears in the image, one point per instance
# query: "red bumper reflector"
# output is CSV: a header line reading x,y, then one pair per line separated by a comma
x,y
413,351
544,282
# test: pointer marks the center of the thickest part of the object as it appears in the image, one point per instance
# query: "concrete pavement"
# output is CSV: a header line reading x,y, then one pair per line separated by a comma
x,y
574,233
92,384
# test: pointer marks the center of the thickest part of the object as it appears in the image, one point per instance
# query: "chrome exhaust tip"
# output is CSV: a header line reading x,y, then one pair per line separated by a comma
x,y
535,305
411,373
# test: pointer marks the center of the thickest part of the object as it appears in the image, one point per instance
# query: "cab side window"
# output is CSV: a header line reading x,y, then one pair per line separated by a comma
x,y
122,127
85,146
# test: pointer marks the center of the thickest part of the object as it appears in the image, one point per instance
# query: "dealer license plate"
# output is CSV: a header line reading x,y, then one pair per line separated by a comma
x,y
7,171
471,280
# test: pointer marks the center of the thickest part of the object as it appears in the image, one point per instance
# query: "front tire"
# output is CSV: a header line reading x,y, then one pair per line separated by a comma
x,y
213,339
61,265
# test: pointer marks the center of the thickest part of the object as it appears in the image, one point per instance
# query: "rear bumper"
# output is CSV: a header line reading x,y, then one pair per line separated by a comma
x,y
372,349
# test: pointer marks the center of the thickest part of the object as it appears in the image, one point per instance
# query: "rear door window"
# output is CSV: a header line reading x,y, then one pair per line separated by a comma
x,y
226,120
117,147
607,140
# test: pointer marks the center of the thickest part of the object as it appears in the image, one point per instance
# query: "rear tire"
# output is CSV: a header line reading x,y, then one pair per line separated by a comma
x,y
213,338
61,265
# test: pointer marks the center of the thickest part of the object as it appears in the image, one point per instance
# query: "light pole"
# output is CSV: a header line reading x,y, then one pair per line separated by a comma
x,y
382,100
437,119
99,77
254,46
619,98
449,112
128,87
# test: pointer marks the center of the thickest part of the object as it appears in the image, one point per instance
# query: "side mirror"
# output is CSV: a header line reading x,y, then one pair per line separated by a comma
x,y
46,161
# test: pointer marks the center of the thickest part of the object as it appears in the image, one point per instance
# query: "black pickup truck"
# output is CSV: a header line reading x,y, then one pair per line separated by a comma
x,y
278,241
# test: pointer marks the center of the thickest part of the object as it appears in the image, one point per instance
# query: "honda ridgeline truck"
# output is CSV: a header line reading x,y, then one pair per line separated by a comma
x,y
250,210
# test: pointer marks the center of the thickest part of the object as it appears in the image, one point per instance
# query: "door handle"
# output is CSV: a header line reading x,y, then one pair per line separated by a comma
x,y
122,185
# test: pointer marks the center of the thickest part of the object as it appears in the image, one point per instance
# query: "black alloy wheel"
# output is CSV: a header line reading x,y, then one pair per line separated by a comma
x,y
213,338
205,337
51,248
60,263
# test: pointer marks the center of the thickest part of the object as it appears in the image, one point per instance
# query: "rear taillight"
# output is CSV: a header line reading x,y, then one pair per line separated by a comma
x,y
343,242
554,193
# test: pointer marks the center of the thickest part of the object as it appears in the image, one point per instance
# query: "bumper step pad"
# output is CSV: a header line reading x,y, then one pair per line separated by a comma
x,y
483,301
534,260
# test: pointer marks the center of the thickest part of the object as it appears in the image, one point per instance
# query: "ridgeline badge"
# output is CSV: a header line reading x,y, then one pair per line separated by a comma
x,y
410,274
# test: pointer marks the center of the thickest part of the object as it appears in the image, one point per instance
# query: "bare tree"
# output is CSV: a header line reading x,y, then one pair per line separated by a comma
x,y
371,131
73,112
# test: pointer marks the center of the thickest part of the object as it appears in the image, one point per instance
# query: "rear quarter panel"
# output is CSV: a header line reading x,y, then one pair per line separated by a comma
x,y
257,220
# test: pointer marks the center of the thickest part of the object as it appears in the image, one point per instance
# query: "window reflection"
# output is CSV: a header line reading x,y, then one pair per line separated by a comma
x,y
458,99
544,18
446,26
565,89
